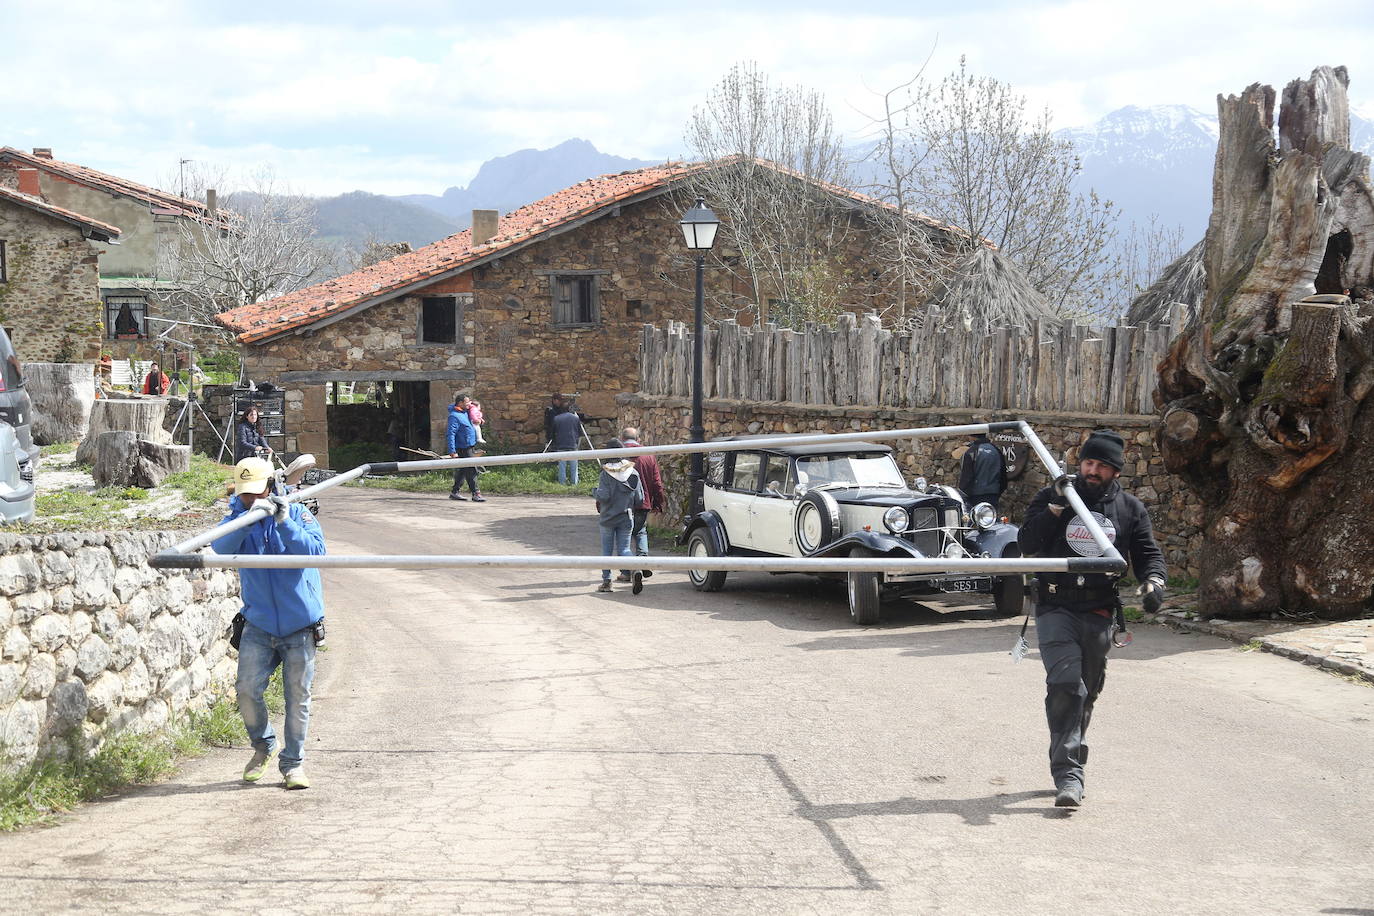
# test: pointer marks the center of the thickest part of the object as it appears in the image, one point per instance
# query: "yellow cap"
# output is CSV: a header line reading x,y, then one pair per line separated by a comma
x,y
251,475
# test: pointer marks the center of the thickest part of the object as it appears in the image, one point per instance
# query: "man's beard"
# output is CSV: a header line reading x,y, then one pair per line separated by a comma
x,y
1092,490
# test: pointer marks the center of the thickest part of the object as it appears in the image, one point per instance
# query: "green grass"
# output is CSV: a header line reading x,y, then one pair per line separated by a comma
x,y
1132,613
1251,646
79,510
42,789
513,480
59,448
1182,585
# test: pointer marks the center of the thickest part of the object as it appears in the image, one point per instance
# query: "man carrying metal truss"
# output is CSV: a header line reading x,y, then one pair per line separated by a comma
x,y
1078,614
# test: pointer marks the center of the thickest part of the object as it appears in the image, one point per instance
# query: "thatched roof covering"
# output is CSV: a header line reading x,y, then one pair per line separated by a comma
x,y
1183,281
989,290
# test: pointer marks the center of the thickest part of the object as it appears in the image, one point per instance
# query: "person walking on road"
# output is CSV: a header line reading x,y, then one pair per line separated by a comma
x,y
616,494
567,431
462,438
1074,613
283,611
651,479
982,472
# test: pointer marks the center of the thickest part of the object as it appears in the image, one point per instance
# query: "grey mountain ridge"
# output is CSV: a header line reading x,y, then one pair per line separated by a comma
x,y
1154,161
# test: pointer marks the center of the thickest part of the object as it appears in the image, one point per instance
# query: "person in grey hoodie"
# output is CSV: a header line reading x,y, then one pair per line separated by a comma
x,y
617,493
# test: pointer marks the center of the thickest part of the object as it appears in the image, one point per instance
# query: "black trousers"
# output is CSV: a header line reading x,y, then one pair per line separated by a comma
x,y
1073,647
462,474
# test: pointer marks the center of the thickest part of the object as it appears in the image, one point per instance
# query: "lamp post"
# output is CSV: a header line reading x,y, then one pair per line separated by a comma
x,y
699,226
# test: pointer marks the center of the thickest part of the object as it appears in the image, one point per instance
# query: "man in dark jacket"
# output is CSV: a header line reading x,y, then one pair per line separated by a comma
x,y
282,607
462,438
982,472
651,479
1074,612
556,402
567,432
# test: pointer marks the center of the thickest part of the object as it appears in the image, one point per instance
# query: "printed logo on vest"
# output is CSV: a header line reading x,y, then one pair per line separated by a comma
x,y
1081,540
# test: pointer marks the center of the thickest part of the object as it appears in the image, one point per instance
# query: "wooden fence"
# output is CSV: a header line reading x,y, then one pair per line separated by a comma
x,y
1068,367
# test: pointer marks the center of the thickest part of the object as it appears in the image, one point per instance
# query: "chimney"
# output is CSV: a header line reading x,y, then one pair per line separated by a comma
x,y
28,182
211,201
484,224
42,152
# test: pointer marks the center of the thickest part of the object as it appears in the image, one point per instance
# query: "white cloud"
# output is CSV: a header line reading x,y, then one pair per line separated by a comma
x,y
412,103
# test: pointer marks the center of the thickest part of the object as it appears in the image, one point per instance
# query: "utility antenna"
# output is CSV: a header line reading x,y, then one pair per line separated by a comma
x,y
182,165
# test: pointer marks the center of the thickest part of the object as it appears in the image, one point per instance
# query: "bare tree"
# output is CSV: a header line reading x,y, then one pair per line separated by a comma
x,y
914,256
776,149
966,152
260,243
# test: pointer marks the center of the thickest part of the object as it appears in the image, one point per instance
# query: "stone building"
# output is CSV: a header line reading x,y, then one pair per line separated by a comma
x,y
549,298
49,281
149,219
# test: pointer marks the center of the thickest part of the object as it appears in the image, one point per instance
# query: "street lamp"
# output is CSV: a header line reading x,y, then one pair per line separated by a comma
x,y
699,226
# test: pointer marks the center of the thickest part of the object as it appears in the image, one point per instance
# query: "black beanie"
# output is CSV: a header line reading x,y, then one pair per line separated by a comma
x,y
1105,446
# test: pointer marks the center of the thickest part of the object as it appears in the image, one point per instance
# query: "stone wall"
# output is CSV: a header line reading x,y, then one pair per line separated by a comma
x,y
51,301
1174,510
93,641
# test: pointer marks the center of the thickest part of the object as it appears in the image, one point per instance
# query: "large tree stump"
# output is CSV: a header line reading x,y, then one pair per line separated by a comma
x,y
124,460
62,395
1264,394
140,416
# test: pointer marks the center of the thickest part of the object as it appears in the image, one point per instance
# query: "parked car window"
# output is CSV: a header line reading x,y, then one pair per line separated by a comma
x,y
11,371
866,470
775,476
715,468
747,471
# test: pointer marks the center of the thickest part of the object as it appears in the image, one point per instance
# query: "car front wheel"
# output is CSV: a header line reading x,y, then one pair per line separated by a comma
x,y
701,544
865,594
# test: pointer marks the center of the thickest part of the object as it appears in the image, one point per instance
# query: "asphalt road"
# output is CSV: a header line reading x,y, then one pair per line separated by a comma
x,y
498,741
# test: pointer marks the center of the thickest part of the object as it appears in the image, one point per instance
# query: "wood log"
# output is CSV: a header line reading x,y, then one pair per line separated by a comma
x,y
62,395
141,416
121,459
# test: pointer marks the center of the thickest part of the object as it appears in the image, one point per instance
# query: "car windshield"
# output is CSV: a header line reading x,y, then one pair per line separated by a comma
x,y
858,470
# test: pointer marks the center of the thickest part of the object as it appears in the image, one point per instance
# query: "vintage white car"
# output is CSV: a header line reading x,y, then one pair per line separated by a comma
x,y
846,500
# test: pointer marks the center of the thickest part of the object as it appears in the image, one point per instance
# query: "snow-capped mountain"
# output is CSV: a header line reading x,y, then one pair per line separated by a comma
x,y
1158,161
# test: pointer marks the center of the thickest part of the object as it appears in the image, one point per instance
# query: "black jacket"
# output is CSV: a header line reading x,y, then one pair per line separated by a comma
x,y
1044,534
983,470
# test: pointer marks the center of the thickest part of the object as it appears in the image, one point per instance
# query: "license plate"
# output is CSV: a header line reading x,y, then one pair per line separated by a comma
x,y
962,585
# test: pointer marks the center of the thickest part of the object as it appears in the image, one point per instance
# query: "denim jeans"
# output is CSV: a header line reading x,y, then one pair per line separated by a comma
x,y
615,541
639,535
259,655
563,470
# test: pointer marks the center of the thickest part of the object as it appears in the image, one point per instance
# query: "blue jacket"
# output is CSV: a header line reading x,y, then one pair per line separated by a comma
x,y
280,601
460,431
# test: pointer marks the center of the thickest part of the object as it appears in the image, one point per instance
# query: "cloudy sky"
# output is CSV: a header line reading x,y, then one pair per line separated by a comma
x,y
412,97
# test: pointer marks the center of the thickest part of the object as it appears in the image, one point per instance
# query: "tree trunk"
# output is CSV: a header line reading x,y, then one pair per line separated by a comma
x,y
124,460
141,416
62,395
1264,394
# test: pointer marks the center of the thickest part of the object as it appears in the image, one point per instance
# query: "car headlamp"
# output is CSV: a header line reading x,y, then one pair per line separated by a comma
x,y
896,519
984,516
921,485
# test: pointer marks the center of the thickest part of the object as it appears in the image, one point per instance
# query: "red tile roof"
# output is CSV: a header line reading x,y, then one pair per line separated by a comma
x,y
456,253
160,201
91,228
